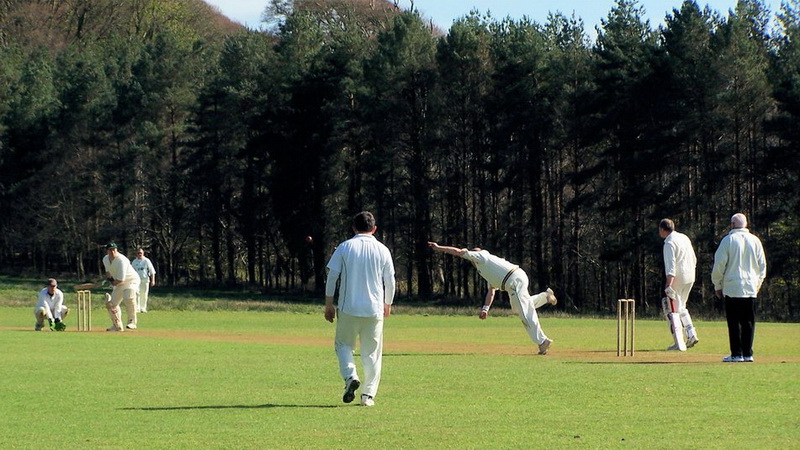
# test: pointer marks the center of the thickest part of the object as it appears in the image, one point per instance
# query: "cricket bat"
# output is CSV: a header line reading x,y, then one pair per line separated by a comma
x,y
92,285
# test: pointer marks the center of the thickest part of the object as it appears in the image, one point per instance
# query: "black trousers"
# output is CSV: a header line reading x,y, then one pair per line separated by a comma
x,y
741,315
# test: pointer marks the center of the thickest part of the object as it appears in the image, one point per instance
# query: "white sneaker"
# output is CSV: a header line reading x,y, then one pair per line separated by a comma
x,y
112,328
544,346
733,359
674,347
692,341
367,400
551,297
131,326
747,359
350,390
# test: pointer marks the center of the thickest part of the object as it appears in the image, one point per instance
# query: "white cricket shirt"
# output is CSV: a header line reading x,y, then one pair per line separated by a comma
x,y
365,271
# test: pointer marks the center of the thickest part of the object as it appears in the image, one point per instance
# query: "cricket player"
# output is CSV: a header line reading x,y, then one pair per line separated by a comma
x,y
125,282
364,268
505,276
680,264
50,306
147,278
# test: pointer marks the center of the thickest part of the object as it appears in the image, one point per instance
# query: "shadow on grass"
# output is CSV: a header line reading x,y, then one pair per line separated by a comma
x,y
629,361
199,407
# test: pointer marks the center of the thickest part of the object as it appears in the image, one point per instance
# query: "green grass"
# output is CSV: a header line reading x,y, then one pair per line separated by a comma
x,y
269,379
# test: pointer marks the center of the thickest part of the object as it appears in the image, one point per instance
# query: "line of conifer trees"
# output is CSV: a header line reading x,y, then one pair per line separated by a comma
x,y
219,149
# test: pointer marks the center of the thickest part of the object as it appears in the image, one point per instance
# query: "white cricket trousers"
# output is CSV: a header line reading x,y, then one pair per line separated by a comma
x,y
118,296
42,312
683,291
369,333
525,304
142,296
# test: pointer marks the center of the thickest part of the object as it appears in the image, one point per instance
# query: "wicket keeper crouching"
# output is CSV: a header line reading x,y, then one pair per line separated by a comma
x,y
50,306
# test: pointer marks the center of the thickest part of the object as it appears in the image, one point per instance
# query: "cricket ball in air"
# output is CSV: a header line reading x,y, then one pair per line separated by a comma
x,y
309,239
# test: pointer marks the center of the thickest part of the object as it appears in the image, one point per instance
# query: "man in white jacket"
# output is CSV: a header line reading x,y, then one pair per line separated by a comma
x,y
740,268
680,265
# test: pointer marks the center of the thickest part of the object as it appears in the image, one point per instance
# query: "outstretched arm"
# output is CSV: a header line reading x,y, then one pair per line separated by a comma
x,y
447,249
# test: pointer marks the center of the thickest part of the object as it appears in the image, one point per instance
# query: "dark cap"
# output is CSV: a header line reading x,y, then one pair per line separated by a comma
x,y
111,245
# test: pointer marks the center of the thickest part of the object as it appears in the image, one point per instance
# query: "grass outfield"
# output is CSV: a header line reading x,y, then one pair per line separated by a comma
x,y
269,379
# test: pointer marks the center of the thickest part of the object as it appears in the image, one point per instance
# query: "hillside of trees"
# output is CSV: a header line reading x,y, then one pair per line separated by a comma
x,y
161,124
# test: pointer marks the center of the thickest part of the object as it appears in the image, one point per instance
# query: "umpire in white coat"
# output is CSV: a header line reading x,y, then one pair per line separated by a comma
x,y
740,268
365,271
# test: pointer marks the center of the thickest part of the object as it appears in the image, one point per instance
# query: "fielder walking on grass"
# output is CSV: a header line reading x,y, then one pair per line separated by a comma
x,y
740,268
50,306
680,264
365,271
505,276
125,282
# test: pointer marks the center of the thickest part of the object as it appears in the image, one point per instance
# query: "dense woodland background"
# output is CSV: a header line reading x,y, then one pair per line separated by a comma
x,y
161,124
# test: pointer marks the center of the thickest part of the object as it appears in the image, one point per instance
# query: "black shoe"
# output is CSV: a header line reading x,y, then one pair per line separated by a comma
x,y
350,390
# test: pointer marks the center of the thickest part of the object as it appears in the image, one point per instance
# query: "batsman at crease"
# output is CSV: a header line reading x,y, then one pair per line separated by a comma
x,y
125,282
